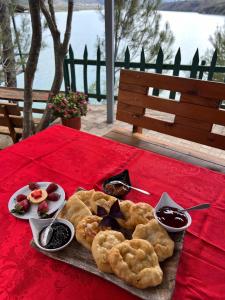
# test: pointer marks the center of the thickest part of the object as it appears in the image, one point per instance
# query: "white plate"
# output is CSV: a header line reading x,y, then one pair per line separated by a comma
x,y
32,213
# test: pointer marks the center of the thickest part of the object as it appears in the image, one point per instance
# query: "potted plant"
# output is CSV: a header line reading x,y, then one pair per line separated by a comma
x,y
70,108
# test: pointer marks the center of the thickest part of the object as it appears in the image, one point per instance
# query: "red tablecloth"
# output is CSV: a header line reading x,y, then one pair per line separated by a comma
x,y
73,159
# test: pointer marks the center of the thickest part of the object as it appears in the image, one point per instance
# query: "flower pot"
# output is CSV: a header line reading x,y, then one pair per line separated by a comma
x,y
72,122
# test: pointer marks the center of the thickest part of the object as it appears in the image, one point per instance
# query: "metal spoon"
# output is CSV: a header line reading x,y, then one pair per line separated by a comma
x,y
46,234
129,186
196,207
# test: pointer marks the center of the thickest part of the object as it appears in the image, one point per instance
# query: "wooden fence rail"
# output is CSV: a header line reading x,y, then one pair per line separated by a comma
x,y
197,69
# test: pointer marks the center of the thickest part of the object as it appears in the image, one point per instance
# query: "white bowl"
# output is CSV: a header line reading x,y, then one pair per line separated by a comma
x,y
166,200
38,224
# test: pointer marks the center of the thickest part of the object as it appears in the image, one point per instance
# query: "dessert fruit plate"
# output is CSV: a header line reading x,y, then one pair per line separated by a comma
x,y
33,210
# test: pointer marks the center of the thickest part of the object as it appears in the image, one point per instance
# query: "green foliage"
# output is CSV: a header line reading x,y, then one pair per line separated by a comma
x,y
137,25
218,42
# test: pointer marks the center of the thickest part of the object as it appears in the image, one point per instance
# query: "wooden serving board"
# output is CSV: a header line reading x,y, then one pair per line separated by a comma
x,y
77,256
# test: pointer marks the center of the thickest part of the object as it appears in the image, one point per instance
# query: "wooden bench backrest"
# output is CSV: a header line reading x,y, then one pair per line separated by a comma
x,y
194,114
11,118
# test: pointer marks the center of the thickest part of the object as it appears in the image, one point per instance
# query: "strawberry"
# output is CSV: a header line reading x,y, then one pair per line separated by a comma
x,y
20,197
21,207
34,186
36,194
43,209
53,197
52,188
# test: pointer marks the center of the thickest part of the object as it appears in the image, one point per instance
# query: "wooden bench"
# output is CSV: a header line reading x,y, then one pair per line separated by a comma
x,y
192,117
11,120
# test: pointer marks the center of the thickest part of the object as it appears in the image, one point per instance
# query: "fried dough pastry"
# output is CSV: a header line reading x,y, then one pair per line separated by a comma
x,y
87,229
154,233
102,200
102,243
134,214
126,207
142,213
74,211
136,262
85,196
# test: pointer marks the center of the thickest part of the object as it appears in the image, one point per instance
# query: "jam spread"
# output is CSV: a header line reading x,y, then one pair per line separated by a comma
x,y
60,236
172,217
117,190
36,194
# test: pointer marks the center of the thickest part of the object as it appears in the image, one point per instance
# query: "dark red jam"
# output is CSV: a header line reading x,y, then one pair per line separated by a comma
x,y
116,190
172,217
60,236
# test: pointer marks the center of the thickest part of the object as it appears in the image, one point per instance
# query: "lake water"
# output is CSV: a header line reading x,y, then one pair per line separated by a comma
x,y
191,31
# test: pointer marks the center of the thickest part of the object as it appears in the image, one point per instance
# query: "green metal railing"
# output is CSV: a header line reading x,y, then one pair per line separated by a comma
x,y
197,69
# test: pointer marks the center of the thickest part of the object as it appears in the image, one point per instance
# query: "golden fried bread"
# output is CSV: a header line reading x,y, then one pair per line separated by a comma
x,y
102,243
154,233
103,200
74,211
85,196
126,209
87,229
136,262
142,213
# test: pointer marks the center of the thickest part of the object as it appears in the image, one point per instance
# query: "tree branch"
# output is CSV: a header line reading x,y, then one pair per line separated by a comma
x,y
53,27
68,25
52,12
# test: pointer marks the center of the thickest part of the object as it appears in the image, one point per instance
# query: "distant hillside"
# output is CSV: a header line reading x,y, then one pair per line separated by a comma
x,y
61,4
214,7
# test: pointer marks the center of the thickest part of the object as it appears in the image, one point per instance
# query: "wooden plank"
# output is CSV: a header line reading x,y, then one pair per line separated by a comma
x,y
193,123
18,94
209,89
203,101
192,111
16,121
133,88
177,130
12,108
9,124
130,108
151,144
133,109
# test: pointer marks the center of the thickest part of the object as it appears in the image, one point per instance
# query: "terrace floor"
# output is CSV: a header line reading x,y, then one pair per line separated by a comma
x,y
95,123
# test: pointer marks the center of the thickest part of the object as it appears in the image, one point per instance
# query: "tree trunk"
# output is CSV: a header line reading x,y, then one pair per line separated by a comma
x,y
60,50
8,57
31,66
56,85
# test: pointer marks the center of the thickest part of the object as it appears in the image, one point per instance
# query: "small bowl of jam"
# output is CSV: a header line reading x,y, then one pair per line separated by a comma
x,y
170,215
63,233
117,190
